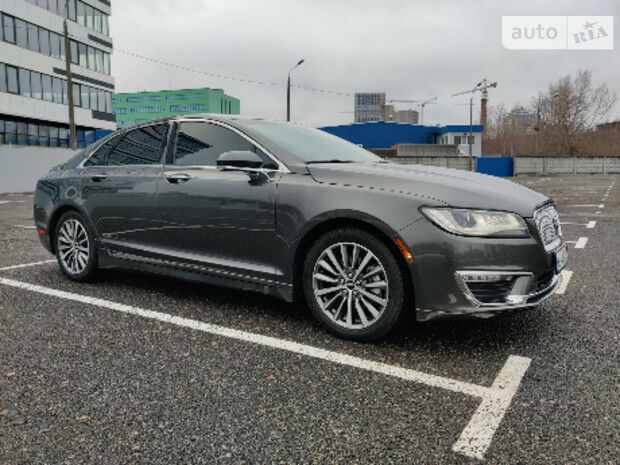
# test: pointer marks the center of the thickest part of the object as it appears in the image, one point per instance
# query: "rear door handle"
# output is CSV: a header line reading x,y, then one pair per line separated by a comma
x,y
98,177
176,178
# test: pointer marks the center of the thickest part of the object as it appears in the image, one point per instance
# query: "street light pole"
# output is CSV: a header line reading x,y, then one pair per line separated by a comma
x,y
288,90
471,105
72,132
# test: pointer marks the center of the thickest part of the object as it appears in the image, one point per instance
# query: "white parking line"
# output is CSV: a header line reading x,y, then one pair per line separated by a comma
x,y
588,225
26,265
12,201
581,242
478,433
588,205
566,275
475,438
23,226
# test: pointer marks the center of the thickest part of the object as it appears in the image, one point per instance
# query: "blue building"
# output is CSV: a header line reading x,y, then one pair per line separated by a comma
x,y
382,134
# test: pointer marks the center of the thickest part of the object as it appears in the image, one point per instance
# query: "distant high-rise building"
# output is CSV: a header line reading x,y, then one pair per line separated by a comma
x,y
33,85
368,106
399,116
138,107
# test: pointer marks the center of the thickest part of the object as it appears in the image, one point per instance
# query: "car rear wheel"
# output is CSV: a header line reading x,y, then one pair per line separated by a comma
x,y
353,284
75,247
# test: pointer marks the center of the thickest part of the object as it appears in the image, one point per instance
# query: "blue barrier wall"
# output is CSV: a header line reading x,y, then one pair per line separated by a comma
x,y
496,166
384,134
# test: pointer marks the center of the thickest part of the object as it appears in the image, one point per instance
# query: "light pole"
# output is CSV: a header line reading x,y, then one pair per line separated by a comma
x,y
288,90
72,133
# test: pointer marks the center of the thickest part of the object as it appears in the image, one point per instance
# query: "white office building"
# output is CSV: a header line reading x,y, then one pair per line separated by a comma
x,y
33,86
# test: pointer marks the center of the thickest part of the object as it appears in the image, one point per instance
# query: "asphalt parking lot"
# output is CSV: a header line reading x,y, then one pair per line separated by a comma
x,y
141,369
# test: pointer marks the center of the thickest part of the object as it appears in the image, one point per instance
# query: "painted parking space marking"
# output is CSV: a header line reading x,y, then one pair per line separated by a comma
x,y
581,242
566,275
23,226
588,225
473,441
588,205
11,201
26,265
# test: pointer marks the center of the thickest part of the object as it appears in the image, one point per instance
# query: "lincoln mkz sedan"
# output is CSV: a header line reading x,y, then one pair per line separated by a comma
x,y
300,214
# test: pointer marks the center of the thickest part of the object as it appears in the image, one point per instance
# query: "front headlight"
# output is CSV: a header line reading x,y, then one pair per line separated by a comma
x,y
483,223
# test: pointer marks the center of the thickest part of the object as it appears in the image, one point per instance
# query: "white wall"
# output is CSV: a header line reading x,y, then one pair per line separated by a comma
x,y
21,167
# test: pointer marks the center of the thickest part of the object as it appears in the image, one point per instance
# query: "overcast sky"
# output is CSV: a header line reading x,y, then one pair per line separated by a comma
x,y
409,49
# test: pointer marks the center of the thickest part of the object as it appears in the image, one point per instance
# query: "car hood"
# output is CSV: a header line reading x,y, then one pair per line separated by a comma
x,y
433,185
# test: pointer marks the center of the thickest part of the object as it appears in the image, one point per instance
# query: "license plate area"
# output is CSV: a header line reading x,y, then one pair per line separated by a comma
x,y
561,257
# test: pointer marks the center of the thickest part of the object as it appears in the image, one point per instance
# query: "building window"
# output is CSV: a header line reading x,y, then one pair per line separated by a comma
x,y
55,45
82,51
85,96
93,98
44,41
11,80
457,140
81,14
71,10
9,28
76,95
2,77
33,37
57,90
24,82
47,87
21,35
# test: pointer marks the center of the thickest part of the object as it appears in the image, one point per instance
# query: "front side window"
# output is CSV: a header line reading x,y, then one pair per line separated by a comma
x,y
200,144
140,146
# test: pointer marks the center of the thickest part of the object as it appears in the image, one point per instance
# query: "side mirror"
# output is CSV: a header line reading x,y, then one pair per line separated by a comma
x,y
239,159
243,160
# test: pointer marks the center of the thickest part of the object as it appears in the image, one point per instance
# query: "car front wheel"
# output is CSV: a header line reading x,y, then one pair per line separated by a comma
x,y
75,247
353,284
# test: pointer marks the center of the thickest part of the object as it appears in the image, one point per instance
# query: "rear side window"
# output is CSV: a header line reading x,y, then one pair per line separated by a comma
x,y
202,143
101,154
140,147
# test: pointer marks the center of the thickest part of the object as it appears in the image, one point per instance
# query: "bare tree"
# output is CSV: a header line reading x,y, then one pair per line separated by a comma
x,y
569,109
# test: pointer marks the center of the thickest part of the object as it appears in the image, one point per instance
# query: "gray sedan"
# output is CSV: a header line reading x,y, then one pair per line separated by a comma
x,y
300,214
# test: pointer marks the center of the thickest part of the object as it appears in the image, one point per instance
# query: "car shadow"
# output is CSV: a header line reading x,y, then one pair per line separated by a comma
x,y
513,329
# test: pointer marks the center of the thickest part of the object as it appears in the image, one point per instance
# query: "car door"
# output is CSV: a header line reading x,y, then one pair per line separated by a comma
x,y
220,221
120,188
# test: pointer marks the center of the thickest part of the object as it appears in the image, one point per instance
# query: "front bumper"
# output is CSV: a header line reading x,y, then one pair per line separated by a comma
x,y
444,266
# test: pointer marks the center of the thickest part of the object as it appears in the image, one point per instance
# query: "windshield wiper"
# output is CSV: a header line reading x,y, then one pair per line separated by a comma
x,y
328,161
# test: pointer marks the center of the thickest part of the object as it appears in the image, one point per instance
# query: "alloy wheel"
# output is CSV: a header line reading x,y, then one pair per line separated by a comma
x,y
350,285
73,246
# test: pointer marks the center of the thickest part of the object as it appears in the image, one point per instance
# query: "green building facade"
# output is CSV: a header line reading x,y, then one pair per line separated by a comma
x,y
134,108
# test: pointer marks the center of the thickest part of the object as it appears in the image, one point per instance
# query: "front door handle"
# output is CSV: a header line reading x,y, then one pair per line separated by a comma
x,y
176,178
98,177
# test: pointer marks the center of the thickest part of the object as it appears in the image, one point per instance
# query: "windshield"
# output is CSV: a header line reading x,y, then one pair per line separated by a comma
x,y
312,145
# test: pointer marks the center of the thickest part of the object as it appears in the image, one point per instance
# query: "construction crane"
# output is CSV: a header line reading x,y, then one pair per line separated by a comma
x,y
481,87
421,104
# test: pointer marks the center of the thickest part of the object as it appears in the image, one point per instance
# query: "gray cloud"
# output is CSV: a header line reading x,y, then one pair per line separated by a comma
x,y
409,49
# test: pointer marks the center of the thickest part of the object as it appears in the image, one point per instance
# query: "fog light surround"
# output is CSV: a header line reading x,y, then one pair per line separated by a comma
x,y
495,288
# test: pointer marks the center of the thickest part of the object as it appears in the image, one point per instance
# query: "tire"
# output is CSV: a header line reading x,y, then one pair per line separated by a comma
x,y
76,253
375,301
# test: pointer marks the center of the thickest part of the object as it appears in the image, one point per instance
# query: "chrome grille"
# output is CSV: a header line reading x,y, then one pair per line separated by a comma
x,y
548,225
